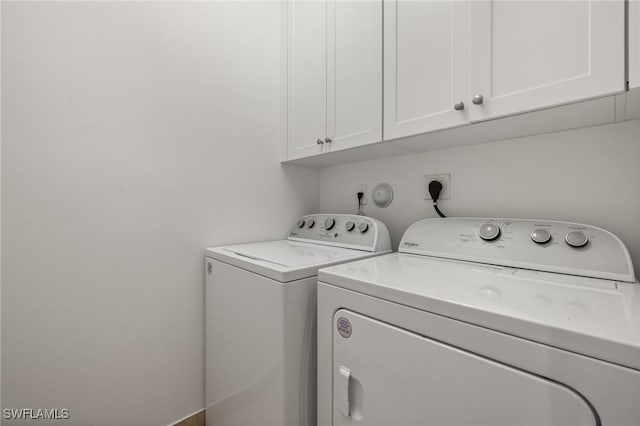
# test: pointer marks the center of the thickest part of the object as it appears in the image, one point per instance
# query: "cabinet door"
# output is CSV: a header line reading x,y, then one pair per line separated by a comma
x,y
527,55
306,77
354,73
425,66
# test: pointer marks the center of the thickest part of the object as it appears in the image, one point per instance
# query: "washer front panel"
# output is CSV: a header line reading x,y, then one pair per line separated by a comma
x,y
256,333
397,377
612,390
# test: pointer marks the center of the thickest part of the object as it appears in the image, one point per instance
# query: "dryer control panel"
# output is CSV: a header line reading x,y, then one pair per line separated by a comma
x,y
342,230
542,245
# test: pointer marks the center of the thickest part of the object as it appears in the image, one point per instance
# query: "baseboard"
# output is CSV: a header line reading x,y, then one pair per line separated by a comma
x,y
194,419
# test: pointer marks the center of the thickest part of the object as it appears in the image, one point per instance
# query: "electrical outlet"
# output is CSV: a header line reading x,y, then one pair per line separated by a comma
x,y
361,188
444,179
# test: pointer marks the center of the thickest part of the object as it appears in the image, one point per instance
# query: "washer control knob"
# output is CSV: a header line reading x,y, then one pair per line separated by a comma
x,y
541,236
311,223
489,231
300,223
349,226
329,223
363,227
576,239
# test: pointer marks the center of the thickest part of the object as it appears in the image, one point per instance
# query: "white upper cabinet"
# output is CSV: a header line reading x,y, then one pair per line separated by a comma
x,y
445,64
334,80
526,55
354,73
426,46
306,77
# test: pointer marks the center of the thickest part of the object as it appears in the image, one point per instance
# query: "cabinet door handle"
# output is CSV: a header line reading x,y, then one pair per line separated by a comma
x,y
477,100
458,106
328,140
319,141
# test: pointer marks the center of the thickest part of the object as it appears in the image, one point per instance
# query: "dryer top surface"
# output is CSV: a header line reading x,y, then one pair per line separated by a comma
x,y
595,317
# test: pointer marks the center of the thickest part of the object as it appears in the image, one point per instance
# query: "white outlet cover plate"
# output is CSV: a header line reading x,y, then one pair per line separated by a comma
x,y
444,179
361,188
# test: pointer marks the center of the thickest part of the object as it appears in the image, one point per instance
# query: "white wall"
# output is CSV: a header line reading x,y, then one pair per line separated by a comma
x,y
634,43
0,211
134,135
588,175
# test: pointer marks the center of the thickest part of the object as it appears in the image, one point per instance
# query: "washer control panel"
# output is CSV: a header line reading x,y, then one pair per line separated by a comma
x,y
551,246
341,230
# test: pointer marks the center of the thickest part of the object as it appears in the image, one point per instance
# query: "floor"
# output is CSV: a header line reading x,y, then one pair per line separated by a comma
x,y
195,420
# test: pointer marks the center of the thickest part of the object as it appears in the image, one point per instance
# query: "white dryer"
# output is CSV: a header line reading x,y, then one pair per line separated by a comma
x,y
260,319
482,322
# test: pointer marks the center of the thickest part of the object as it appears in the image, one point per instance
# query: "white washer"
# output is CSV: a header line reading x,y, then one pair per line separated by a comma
x,y
261,319
473,322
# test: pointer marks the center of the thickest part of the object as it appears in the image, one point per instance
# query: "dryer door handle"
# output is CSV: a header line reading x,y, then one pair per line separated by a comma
x,y
342,391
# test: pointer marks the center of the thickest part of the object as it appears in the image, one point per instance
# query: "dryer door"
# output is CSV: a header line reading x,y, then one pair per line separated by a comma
x,y
384,375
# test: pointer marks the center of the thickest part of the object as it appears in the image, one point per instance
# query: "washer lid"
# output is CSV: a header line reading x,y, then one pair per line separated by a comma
x,y
285,260
595,317
292,254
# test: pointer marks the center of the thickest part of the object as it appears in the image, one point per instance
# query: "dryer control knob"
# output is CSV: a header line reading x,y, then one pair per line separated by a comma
x,y
541,236
300,223
576,239
349,226
489,231
363,227
329,223
310,223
